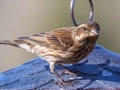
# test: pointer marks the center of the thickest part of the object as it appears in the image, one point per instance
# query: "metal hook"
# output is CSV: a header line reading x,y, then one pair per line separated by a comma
x,y
72,11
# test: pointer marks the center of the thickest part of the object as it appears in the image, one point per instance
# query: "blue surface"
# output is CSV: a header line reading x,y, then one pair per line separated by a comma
x,y
100,70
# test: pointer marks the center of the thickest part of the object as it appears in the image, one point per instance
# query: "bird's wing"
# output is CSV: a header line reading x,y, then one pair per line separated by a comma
x,y
59,39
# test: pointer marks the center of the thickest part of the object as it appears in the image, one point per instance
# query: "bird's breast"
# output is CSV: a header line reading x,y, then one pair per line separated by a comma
x,y
78,55
83,52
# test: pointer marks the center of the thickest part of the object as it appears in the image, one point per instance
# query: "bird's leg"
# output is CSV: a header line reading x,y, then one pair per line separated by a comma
x,y
52,69
67,70
61,82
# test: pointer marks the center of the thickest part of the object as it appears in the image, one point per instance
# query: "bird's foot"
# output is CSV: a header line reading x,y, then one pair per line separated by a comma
x,y
65,82
76,73
69,72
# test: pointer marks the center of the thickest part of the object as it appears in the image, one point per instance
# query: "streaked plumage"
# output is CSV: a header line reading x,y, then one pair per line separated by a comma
x,y
67,45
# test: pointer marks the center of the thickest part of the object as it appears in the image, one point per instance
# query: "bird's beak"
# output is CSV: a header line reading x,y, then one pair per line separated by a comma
x,y
95,31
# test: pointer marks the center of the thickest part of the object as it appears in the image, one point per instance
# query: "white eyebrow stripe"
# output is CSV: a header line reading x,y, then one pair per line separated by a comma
x,y
83,25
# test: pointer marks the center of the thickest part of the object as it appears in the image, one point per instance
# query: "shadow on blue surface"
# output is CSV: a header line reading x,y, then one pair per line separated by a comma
x,y
99,71
93,71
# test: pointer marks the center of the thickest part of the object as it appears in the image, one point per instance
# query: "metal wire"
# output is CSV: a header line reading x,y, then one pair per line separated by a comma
x,y
72,5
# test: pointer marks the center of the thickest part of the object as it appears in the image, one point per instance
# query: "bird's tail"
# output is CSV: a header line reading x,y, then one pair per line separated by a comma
x,y
21,43
12,42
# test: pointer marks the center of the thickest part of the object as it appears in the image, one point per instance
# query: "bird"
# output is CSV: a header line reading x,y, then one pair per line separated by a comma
x,y
67,45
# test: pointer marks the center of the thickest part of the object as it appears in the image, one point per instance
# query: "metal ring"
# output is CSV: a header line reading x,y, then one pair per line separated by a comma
x,y
72,12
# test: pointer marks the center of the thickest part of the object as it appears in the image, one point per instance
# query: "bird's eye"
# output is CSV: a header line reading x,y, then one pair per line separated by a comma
x,y
84,29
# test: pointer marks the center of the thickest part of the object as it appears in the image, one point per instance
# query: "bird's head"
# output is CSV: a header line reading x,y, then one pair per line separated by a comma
x,y
86,31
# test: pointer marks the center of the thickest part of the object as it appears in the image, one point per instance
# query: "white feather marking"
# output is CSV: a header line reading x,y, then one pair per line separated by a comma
x,y
24,46
32,50
29,49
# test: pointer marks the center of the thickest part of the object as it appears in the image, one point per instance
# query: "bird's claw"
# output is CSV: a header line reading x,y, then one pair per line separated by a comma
x,y
65,82
69,72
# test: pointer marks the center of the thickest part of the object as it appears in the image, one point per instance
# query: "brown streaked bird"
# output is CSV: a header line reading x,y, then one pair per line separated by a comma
x,y
67,45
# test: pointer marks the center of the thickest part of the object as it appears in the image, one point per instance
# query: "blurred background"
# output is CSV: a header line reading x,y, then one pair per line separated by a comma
x,y
28,17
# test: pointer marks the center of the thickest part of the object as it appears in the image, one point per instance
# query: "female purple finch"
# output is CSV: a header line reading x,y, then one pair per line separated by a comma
x,y
67,45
